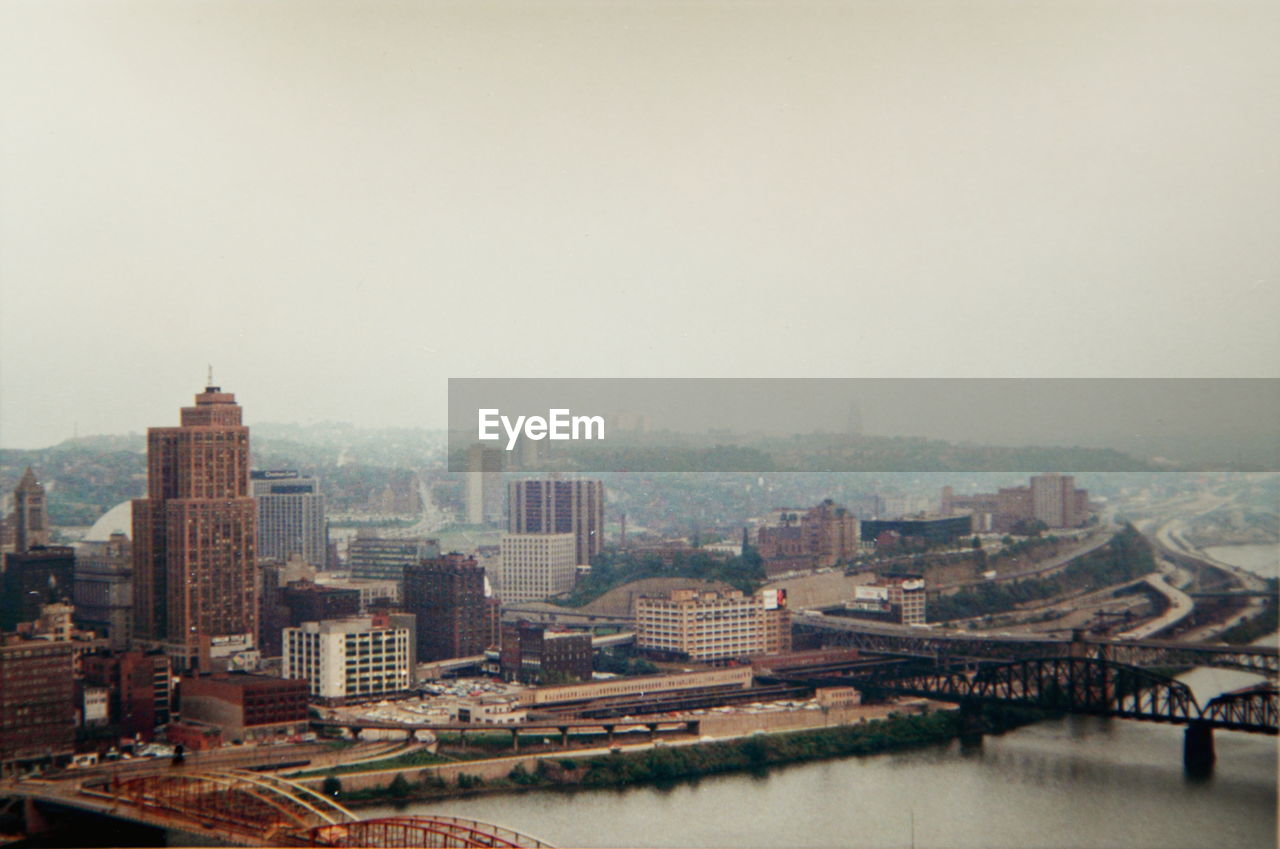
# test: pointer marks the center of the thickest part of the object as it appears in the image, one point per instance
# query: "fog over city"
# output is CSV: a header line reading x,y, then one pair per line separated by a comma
x,y
342,205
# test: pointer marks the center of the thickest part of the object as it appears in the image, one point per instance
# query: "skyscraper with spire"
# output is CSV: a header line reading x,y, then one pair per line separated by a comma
x,y
30,516
195,594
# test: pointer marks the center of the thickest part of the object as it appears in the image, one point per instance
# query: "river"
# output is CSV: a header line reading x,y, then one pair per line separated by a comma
x,y
1075,782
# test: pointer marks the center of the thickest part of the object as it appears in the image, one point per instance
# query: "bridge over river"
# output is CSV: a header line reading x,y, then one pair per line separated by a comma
x,y
929,642
250,809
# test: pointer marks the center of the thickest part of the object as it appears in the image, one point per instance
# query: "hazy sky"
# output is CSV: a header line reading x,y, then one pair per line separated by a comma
x,y
340,205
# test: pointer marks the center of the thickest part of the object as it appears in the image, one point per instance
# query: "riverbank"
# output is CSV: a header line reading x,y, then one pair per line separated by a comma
x,y
665,763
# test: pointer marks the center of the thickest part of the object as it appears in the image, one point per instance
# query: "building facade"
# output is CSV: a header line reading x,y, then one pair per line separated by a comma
x,y
376,558
33,578
535,566
244,706
559,507
709,626
532,654
194,537
797,540
291,518
456,615
30,513
139,687
935,530
891,598
349,659
37,700
484,484
103,590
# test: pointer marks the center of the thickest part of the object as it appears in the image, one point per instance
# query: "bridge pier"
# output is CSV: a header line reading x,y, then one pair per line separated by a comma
x,y
972,726
34,822
564,736
1197,749
515,739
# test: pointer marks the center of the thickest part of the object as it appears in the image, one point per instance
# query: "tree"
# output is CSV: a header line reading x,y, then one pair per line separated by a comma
x,y
399,788
332,786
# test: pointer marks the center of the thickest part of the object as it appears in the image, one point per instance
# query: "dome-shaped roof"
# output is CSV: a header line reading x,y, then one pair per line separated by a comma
x,y
118,518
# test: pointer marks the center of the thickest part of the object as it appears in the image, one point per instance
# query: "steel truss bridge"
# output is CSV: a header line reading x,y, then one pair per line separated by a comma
x,y
1080,685
930,643
255,809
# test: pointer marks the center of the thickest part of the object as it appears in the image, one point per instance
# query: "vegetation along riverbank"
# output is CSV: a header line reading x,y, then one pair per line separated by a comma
x,y
672,762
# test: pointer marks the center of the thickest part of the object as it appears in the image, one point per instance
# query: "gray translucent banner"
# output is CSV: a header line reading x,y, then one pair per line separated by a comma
x,y
863,424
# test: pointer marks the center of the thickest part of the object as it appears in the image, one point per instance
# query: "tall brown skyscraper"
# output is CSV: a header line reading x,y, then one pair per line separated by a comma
x,y
193,536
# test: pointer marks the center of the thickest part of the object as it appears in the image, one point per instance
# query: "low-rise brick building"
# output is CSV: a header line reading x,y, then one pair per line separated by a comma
x,y
246,706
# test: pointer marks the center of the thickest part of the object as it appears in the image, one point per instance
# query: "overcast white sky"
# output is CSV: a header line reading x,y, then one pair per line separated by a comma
x,y
340,205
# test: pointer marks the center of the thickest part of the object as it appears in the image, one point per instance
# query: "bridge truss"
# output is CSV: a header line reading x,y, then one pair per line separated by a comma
x,y
414,831
259,809
1262,660
1077,685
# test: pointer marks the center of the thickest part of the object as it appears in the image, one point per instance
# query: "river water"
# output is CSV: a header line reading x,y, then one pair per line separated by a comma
x,y
1076,782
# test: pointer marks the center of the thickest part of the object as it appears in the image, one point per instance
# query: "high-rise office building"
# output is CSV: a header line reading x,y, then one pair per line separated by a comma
x,y
1056,501
535,566
559,507
290,516
195,592
31,518
484,484
456,616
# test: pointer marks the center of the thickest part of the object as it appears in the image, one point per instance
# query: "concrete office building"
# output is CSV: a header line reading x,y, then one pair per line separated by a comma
x,y
535,566
709,625
484,484
291,518
349,659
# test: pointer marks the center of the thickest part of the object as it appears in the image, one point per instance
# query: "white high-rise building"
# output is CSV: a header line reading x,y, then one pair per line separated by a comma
x,y
535,566
290,517
484,484
359,657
